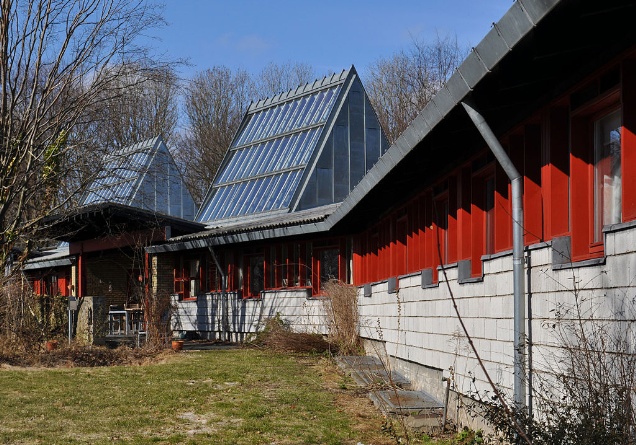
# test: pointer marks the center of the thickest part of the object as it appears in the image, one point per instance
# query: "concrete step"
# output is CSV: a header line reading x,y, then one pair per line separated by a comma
x,y
370,371
396,401
391,393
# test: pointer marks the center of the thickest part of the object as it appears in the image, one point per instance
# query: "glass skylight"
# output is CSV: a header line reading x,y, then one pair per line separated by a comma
x,y
265,163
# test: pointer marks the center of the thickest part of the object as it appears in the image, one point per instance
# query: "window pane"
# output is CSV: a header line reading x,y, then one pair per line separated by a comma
x,y
307,111
295,122
248,128
256,275
328,266
607,173
266,192
489,213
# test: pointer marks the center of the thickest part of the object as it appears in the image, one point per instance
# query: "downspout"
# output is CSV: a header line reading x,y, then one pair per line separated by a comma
x,y
224,309
516,180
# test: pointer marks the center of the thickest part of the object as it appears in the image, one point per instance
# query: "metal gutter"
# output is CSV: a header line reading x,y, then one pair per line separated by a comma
x,y
241,237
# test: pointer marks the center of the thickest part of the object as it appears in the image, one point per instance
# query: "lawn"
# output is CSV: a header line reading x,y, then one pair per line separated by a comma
x,y
236,396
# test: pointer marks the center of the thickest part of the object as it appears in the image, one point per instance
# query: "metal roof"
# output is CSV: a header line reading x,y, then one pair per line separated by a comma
x,y
143,175
54,258
250,229
107,218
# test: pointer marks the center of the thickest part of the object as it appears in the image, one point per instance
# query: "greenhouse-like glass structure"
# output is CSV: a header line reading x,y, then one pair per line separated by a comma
x,y
143,176
298,150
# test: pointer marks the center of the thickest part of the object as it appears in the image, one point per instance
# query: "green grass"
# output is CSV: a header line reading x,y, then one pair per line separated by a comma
x,y
210,397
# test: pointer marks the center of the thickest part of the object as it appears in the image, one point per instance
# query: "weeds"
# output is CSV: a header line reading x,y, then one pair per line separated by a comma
x,y
586,391
26,319
341,308
278,336
79,356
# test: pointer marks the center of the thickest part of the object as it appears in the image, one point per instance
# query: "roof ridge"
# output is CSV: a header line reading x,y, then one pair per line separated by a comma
x,y
300,90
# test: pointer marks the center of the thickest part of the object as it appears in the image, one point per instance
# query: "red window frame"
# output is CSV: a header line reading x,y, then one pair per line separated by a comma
x,y
320,268
183,278
214,276
582,205
483,216
441,215
400,259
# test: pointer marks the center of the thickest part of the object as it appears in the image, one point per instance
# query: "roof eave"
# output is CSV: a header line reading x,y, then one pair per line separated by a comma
x,y
241,237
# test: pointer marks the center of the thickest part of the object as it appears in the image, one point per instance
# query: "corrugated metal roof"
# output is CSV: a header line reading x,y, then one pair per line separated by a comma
x,y
244,229
54,258
268,157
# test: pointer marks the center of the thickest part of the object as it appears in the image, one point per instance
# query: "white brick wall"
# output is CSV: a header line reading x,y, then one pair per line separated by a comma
x,y
428,324
245,316
423,329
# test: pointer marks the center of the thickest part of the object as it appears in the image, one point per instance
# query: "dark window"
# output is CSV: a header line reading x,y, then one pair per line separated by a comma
x,y
325,267
255,275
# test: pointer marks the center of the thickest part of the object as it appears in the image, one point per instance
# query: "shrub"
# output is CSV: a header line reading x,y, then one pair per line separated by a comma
x,y
341,308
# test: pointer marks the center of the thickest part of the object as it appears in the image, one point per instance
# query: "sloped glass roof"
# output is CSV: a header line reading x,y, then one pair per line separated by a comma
x,y
266,161
120,176
144,176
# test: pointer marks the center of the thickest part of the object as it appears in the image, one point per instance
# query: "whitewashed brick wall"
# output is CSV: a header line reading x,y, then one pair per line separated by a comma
x,y
422,326
246,316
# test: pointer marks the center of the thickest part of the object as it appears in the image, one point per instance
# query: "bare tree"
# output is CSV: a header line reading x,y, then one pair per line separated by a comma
x,y
275,78
400,86
59,59
214,104
146,106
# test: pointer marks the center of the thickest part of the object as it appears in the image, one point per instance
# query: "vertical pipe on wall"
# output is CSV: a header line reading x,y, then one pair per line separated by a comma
x,y
224,308
516,181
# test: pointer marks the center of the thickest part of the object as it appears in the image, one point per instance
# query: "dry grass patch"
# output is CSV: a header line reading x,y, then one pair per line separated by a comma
x,y
277,336
80,356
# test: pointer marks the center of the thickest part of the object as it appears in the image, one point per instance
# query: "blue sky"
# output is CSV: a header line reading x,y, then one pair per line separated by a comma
x,y
329,35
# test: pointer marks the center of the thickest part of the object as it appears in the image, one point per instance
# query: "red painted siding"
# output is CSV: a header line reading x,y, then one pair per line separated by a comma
x,y
457,219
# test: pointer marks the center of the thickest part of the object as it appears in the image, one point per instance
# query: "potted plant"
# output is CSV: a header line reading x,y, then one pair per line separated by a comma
x,y
177,341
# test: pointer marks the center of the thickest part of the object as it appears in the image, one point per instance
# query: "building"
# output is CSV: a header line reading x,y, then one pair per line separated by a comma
x,y
295,157
539,113
138,199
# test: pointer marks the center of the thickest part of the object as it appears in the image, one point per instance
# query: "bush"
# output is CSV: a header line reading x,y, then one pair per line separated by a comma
x,y
341,308
586,394
277,335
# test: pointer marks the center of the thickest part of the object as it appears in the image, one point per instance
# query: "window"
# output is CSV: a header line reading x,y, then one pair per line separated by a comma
x,y
275,268
607,173
187,277
293,265
325,267
215,277
595,174
482,217
440,235
489,215
254,280
400,261
195,277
